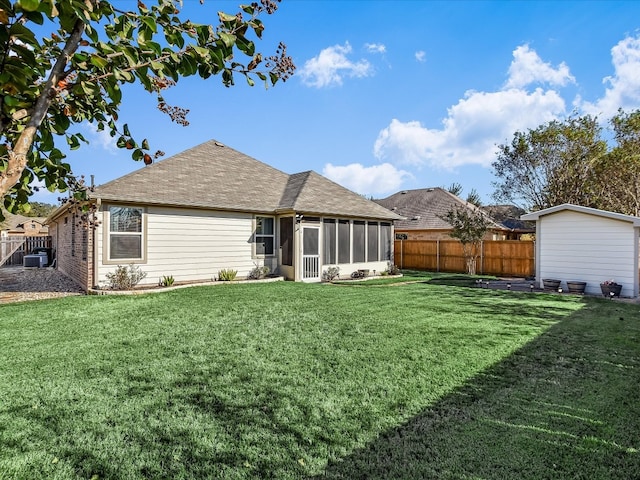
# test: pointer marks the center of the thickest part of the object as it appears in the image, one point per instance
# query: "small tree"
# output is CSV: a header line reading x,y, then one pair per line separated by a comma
x,y
469,226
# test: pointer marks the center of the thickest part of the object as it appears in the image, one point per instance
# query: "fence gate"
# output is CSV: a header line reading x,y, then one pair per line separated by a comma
x,y
13,248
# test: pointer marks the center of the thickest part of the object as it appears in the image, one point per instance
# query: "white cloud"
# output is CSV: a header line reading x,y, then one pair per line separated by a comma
x,y
480,121
100,138
331,66
375,47
471,131
421,56
375,180
623,90
527,68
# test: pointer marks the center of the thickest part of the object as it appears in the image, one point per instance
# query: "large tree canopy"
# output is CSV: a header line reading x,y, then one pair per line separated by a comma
x,y
570,161
73,73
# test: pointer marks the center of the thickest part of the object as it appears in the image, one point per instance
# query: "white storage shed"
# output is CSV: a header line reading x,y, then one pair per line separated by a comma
x,y
575,243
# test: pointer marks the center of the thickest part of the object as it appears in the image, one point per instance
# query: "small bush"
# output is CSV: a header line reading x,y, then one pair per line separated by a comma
x,y
227,275
125,277
330,274
166,280
393,269
259,272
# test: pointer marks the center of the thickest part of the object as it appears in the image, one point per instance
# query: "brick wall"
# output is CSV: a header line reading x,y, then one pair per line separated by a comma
x,y
74,248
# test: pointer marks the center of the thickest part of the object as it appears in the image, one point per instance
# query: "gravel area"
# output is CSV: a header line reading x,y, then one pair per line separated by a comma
x,y
18,284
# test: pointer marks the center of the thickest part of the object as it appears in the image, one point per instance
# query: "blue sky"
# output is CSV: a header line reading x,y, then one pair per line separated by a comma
x,y
393,95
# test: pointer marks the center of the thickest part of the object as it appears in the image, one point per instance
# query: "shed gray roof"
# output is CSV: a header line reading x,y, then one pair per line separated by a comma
x,y
423,207
214,176
635,221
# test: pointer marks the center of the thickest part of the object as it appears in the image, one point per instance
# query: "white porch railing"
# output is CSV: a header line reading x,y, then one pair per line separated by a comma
x,y
310,267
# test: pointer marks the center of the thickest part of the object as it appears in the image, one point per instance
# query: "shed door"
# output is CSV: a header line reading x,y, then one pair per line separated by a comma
x,y
310,254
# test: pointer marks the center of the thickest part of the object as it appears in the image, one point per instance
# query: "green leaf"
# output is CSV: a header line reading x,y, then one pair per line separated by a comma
x,y
73,142
226,17
145,144
99,62
245,46
35,17
11,101
125,130
29,5
137,154
151,23
228,39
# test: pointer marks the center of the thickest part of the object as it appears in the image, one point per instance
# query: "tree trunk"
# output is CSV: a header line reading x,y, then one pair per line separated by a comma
x,y
18,155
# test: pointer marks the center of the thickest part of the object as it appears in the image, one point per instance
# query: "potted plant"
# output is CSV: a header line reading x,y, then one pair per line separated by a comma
x,y
610,288
551,284
575,286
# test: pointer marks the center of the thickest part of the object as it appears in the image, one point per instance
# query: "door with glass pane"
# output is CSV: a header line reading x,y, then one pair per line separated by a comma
x,y
310,254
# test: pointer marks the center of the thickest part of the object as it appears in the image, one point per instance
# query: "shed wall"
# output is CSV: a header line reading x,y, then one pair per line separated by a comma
x,y
588,248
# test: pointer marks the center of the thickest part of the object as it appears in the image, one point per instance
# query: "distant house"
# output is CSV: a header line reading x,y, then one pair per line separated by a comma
x,y
211,208
509,217
423,210
21,226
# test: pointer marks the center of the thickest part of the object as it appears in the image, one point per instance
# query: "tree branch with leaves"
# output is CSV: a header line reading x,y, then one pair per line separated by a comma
x,y
73,74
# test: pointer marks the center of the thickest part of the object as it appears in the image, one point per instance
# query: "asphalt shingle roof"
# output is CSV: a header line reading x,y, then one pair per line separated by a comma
x,y
423,207
214,176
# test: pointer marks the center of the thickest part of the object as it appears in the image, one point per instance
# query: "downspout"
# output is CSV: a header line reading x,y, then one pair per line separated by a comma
x,y
94,276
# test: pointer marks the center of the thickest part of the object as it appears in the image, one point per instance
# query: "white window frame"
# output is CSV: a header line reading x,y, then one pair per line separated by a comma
x,y
142,234
257,235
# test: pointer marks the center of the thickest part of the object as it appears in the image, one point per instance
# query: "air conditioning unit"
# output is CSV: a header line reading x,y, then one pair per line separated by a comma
x,y
34,261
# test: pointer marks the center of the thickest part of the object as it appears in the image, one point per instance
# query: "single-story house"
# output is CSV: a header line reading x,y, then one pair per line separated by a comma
x,y
423,210
575,243
21,226
212,208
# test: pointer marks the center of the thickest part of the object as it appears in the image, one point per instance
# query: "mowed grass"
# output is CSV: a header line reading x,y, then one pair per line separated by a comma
x,y
286,380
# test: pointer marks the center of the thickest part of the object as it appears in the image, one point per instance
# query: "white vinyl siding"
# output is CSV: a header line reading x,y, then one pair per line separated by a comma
x,y
193,245
588,248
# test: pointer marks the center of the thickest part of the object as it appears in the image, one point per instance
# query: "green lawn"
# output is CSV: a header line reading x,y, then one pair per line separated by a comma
x,y
286,380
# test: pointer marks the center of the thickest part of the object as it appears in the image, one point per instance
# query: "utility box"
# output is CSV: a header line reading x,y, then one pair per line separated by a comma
x,y
47,252
35,261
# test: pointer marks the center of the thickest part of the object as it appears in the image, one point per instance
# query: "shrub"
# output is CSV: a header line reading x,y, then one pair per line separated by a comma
x,y
166,280
259,272
393,269
125,277
227,275
330,274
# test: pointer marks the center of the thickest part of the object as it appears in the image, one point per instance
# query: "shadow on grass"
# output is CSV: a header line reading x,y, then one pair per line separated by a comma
x,y
563,406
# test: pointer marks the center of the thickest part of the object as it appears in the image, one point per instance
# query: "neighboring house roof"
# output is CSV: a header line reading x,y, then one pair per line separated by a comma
x,y
635,221
15,223
212,175
422,208
509,217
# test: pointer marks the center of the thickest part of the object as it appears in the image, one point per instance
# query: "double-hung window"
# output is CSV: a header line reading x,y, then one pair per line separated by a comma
x,y
125,233
265,235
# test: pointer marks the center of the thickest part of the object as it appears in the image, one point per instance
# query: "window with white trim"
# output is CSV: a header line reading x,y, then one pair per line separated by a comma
x,y
265,235
125,233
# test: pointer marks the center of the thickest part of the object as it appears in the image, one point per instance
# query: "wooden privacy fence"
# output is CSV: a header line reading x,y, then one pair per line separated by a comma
x,y
14,248
514,258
